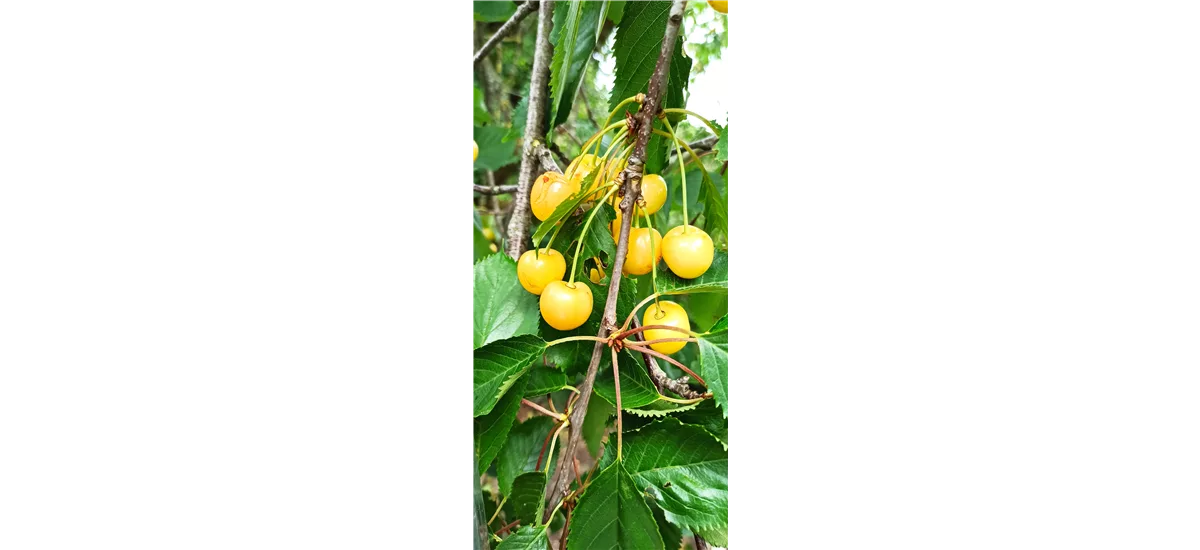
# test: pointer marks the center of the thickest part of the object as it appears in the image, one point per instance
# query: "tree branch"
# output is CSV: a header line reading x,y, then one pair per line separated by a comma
x,y
705,144
518,225
556,489
506,29
497,190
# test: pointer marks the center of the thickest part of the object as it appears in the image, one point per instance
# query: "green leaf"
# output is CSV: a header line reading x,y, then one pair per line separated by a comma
x,y
528,497
637,390
708,417
574,38
714,362
613,514
503,308
520,114
494,153
716,537
722,146
481,115
636,48
566,208
683,469
520,452
661,408
594,424
499,364
716,209
574,356
491,430
671,534
543,380
526,538
616,9
716,279
494,12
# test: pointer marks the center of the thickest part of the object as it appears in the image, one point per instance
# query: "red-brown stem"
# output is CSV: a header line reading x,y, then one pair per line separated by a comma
x,y
543,451
646,349
505,529
643,328
562,539
541,409
665,340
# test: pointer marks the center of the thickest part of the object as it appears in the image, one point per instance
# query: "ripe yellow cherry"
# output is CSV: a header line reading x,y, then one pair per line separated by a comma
x,y
645,250
535,270
548,192
476,151
489,234
670,314
566,306
654,192
722,7
688,251
597,273
493,247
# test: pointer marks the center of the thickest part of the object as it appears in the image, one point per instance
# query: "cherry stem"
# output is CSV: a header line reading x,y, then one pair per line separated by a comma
x,y
706,122
631,332
629,319
497,512
542,410
553,441
613,113
695,156
665,340
617,387
647,349
583,234
682,172
542,453
654,267
594,139
685,401
575,339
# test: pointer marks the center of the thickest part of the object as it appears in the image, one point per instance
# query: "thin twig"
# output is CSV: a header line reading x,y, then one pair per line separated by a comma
x,y
507,527
558,152
506,29
647,349
541,409
518,225
556,489
704,144
497,190
701,544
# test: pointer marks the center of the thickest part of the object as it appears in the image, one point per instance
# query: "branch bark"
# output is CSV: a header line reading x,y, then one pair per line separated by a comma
x,y
497,190
556,489
518,226
506,29
700,145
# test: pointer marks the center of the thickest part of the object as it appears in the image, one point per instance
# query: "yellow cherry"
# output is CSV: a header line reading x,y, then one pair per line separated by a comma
x,y
493,247
476,151
550,190
537,269
489,234
722,7
645,249
670,314
597,273
566,306
654,192
688,251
